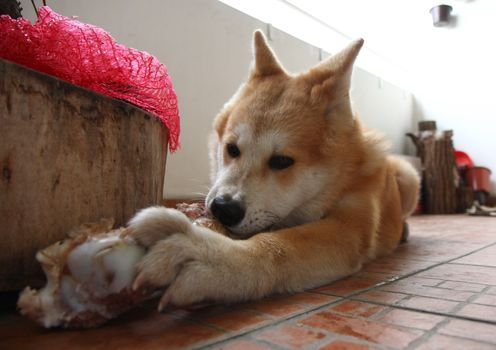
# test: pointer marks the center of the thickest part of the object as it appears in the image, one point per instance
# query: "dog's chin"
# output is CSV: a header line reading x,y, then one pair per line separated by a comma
x,y
244,231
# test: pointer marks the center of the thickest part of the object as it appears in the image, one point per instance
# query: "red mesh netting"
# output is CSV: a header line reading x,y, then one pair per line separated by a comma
x,y
88,56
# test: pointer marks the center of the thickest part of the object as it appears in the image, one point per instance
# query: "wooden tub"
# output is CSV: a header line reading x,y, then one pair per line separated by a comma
x,y
68,156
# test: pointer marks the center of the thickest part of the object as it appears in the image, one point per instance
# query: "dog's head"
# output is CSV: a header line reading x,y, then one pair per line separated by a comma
x,y
280,141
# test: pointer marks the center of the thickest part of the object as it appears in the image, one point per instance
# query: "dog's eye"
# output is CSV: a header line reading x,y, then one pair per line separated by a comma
x,y
280,162
233,150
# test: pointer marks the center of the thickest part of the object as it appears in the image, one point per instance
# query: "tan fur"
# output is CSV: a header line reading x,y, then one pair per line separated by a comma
x,y
342,203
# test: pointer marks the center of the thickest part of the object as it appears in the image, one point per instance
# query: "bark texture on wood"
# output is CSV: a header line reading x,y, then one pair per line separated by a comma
x,y
439,175
68,156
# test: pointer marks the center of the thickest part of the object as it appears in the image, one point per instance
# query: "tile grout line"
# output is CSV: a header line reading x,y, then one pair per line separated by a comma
x,y
437,313
469,301
432,332
275,323
350,297
429,334
399,278
355,295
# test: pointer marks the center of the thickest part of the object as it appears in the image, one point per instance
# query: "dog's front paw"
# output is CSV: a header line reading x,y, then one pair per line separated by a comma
x,y
202,266
161,264
153,224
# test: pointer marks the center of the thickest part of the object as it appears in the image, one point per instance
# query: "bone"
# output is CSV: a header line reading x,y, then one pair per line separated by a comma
x,y
89,277
91,273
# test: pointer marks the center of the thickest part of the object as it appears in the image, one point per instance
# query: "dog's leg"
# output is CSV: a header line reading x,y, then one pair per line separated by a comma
x,y
200,265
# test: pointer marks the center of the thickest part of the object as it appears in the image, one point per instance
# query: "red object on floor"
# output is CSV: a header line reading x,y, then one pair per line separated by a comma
x,y
88,56
463,160
479,178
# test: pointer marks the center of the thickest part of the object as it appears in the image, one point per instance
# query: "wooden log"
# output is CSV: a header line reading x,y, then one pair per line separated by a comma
x,y
439,174
68,156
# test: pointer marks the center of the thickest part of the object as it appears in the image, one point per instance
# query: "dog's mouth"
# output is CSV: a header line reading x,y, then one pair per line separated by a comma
x,y
255,222
241,220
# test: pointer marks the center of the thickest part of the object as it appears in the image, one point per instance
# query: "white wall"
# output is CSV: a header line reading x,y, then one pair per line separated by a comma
x,y
450,70
206,46
455,83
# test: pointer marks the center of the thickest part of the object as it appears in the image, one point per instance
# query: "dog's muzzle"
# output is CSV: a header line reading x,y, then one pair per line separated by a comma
x,y
228,211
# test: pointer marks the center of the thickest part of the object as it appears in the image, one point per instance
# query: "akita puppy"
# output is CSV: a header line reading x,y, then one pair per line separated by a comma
x,y
312,193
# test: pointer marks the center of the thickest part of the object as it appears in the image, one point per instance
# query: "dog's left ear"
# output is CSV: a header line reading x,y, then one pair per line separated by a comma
x,y
332,77
265,61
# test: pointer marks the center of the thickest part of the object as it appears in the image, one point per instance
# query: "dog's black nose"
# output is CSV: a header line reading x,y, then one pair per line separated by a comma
x,y
229,212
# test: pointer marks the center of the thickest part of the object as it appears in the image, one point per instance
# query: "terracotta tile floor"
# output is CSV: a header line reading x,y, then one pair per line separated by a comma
x,y
438,291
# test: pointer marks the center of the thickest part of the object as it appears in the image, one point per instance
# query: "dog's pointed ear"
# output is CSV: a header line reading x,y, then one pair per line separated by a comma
x,y
335,72
265,62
